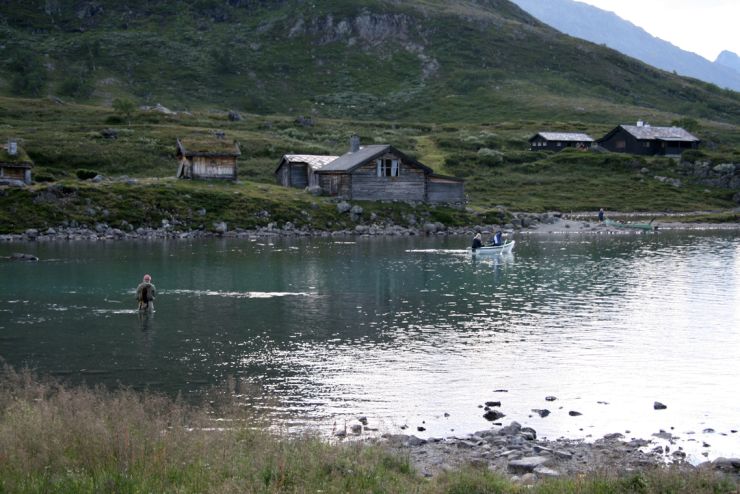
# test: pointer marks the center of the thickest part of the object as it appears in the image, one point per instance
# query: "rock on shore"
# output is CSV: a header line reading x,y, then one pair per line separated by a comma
x,y
515,451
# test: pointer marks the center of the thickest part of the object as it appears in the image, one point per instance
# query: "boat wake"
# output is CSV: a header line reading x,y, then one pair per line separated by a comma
x,y
225,294
436,251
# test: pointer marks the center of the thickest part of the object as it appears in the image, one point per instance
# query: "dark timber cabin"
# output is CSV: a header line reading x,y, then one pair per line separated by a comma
x,y
207,158
299,170
647,140
557,141
15,165
377,172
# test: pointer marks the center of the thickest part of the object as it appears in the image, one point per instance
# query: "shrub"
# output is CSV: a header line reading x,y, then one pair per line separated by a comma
x,y
84,174
693,155
490,157
114,120
41,177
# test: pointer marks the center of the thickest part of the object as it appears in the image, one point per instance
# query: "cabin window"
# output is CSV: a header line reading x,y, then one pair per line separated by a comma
x,y
646,144
560,144
387,167
620,144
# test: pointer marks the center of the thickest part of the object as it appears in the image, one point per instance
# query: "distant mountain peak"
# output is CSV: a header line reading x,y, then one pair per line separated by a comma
x,y
600,26
729,59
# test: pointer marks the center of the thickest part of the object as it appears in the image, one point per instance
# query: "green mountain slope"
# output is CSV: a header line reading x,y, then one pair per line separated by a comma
x,y
429,60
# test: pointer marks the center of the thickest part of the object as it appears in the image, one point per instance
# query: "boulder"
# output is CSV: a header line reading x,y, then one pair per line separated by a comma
x,y
344,207
492,415
544,412
527,464
543,471
314,190
528,433
511,429
356,213
234,116
659,406
730,465
109,133
220,227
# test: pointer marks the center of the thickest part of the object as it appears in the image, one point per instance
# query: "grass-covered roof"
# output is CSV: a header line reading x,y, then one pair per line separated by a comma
x,y
21,158
204,146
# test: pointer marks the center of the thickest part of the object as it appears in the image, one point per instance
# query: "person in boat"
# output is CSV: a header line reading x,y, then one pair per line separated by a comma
x,y
601,214
497,239
477,243
145,294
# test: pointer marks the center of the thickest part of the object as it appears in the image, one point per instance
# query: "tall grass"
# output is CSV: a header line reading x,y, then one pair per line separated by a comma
x,y
55,438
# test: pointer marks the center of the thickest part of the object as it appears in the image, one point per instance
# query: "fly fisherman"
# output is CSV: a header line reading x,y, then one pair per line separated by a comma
x,y
145,294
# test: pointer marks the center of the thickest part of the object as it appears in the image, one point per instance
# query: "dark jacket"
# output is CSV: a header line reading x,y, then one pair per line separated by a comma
x,y
477,244
145,292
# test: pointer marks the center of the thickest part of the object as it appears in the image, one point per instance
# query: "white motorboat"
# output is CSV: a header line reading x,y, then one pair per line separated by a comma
x,y
493,250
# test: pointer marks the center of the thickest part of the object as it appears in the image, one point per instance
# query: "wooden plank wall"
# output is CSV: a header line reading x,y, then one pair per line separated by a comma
x,y
408,186
298,175
12,172
211,167
335,184
445,191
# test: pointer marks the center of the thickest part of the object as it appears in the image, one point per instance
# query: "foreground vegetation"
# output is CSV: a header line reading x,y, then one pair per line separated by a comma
x,y
55,438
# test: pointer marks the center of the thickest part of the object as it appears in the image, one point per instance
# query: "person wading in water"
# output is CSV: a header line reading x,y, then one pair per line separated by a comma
x,y
145,294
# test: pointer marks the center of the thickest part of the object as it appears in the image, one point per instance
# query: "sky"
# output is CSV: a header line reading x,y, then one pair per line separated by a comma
x,y
705,27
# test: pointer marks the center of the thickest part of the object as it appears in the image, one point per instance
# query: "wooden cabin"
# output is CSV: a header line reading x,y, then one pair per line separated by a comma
x,y
377,172
207,158
299,170
557,141
15,165
645,139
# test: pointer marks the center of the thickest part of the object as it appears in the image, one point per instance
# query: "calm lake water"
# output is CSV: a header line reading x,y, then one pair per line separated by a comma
x,y
403,331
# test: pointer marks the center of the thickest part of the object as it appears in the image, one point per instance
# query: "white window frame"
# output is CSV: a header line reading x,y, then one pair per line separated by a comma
x,y
387,167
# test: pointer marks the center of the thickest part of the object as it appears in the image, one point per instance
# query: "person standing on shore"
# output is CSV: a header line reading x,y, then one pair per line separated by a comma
x,y
145,294
601,214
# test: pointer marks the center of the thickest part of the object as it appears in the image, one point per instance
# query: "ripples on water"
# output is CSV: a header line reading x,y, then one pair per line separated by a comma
x,y
405,331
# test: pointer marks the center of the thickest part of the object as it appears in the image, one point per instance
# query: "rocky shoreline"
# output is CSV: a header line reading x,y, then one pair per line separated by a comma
x,y
516,451
553,222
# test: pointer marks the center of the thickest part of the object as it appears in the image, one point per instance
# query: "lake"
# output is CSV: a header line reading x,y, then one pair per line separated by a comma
x,y
409,332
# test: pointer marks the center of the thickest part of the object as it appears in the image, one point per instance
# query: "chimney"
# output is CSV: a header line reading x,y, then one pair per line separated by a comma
x,y
354,143
12,147
640,123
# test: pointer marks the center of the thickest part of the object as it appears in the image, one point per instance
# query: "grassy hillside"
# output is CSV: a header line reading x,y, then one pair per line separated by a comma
x,y
68,142
427,60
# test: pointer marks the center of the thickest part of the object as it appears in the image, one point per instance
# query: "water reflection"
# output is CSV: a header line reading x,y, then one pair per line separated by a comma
x,y
402,330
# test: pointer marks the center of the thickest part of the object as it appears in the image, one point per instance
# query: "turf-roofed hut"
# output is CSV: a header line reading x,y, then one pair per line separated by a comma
x,y
557,141
299,170
380,172
15,165
207,157
648,140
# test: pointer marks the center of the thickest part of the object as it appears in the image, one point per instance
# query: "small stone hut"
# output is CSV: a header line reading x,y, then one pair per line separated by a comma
x,y
15,165
207,158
